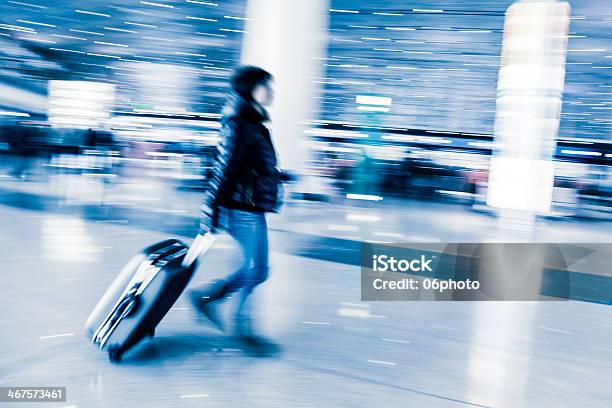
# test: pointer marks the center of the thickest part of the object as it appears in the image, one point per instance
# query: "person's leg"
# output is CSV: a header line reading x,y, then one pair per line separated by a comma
x,y
250,231
255,275
206,298
242,226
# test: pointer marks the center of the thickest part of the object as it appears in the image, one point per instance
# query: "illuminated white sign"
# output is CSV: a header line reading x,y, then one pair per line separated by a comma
x,y
80,104
374,100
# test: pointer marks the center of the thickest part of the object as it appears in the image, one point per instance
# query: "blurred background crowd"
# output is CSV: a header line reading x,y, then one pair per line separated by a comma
x,y
421,121
405,107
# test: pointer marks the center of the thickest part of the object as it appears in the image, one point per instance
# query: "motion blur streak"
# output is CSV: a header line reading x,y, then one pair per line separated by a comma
x,y
530,89
443,122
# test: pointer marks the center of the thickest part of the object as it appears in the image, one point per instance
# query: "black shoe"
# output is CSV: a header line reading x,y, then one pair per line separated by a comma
x,y
259,346
254,344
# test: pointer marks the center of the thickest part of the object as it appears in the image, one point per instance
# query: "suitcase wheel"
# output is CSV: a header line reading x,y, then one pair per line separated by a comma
x,y
114,354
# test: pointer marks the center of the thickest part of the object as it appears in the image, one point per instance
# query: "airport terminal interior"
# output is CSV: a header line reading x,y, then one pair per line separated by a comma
x,y
406,123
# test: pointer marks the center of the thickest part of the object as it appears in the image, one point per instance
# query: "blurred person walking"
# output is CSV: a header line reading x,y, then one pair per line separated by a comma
x,y
244,186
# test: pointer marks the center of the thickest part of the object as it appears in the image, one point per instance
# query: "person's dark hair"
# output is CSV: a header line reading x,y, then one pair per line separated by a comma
x,y
246,78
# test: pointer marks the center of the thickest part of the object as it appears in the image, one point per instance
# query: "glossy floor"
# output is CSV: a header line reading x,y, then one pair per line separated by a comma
x,y
335,350
329,348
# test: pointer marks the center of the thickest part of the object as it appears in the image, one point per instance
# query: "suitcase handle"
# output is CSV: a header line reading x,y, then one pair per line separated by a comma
x,y
200,245
165,251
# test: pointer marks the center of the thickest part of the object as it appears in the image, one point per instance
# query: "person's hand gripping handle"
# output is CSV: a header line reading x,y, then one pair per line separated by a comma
x,y
200,245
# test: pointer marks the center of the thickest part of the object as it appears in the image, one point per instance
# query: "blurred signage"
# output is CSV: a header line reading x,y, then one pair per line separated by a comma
x,y
80,104
371,103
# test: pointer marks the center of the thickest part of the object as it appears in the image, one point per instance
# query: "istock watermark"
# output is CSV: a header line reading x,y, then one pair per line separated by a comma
x,y
384,263
483,271
425,283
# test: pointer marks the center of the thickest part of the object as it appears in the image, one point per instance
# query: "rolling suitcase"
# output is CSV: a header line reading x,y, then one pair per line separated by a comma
x,y
140,296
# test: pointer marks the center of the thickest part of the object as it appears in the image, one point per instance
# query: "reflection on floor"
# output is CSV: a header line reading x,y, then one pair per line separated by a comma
x,y
334,349
328,348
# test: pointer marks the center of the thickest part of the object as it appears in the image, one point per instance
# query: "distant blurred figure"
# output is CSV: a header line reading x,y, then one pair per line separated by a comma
x,y
100,140
243,187
19,150
89,140
364,179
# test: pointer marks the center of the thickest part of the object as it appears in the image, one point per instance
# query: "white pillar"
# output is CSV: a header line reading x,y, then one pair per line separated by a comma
x,y
288,39
529,97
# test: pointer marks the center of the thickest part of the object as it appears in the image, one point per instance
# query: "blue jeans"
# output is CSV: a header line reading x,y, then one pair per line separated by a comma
x,y
250,229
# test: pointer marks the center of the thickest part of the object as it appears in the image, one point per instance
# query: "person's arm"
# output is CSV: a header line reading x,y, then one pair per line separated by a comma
x,y
231,153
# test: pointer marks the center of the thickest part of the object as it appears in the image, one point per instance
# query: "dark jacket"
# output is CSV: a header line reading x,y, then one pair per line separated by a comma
x,y
244,175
